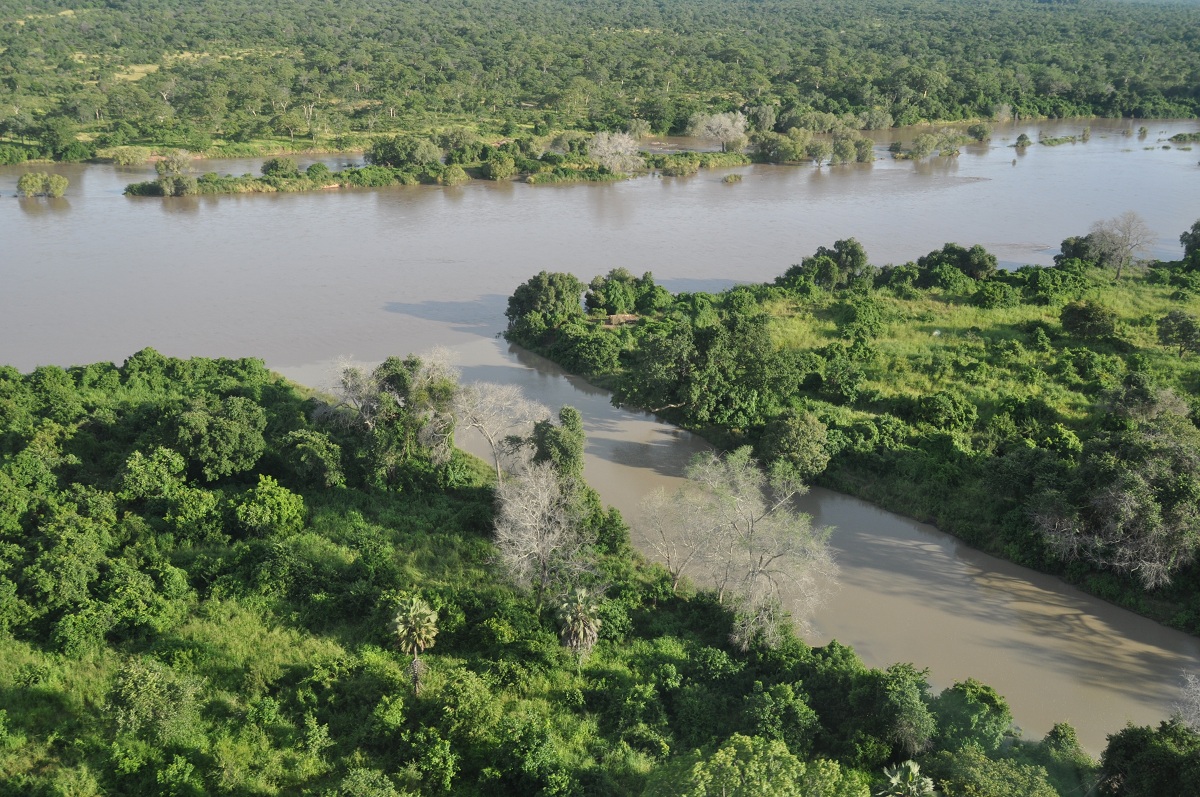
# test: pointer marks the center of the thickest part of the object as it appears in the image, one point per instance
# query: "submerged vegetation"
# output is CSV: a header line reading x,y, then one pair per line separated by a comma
x,y
213,582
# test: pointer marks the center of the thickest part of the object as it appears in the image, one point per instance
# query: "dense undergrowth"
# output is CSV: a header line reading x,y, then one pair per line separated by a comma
x,y
199,569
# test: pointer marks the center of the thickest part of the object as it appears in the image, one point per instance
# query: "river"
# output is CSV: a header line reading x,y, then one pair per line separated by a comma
x,y
301,280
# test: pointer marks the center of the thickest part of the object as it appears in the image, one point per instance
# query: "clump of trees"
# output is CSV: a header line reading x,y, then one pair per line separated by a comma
x,y
33,184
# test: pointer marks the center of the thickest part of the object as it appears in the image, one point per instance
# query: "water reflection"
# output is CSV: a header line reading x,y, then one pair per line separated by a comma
x,y
36,206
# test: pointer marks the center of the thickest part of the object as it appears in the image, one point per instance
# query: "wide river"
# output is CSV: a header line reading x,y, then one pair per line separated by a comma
x,y
301,280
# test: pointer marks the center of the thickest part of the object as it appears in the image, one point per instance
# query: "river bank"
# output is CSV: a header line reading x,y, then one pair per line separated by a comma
x,y
303,279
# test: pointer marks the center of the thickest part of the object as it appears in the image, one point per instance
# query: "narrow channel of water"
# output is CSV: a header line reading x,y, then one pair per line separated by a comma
x,y
300,280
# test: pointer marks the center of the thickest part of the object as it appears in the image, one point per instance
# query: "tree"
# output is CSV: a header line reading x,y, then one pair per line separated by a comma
x,y
546,301
614,294
580,623
315,458
798,442
540,541
560,445
1187,710
1190,240
496,412
1140,761
270,509
617,152
33,184
1133,505
174,173
757,550
1180,330
747,766
279,167
415,627
223,437
405,406
972,712
727,129
1088,320
1115,242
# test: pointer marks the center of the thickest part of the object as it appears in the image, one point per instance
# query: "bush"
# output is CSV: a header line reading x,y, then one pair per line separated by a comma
x,y
992,295
1088,320
280,167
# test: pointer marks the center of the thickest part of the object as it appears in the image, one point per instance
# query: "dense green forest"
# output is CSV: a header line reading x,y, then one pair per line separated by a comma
x,y
212,582
1048,414
234,77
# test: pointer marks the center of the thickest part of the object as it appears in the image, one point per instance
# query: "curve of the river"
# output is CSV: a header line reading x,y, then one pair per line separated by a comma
x,y
300,280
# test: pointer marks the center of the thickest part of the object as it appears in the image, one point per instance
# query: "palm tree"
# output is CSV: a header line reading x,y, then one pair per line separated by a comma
x,y
415,625
906,780
580,625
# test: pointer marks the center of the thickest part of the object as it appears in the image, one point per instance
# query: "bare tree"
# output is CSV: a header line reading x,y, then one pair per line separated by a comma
x,y
538,534
761,555
497,412
729,129
1187,710
667,519
617,152
1116,242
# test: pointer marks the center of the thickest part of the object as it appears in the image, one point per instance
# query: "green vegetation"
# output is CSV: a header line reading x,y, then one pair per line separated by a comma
x,y
1047,415
212,582
234,78
33,184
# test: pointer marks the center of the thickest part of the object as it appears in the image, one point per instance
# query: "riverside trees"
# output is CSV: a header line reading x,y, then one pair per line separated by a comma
x,y
238,650
1030,411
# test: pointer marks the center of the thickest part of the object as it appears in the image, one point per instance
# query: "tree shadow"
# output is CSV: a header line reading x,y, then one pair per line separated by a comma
x,y
483,316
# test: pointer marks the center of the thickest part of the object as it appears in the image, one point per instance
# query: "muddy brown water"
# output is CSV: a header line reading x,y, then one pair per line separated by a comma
x,y
301,280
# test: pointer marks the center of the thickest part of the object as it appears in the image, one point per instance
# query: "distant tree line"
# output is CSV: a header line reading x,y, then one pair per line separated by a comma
x,y
82,76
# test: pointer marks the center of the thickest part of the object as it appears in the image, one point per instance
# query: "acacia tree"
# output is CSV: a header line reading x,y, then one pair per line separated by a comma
x,y
1115,242
496,412
727,129
759,553
617,152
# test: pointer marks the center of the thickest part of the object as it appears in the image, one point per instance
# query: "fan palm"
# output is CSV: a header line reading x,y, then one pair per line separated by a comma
x,y
415,625
580,625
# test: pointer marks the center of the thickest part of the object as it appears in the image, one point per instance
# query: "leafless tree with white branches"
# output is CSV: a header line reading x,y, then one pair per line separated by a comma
x,y
617,152
761,555
497,412
1116,242
538,535
1187,710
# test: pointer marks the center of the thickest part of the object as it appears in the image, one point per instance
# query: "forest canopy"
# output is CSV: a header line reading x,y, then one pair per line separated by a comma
x,y
75,76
